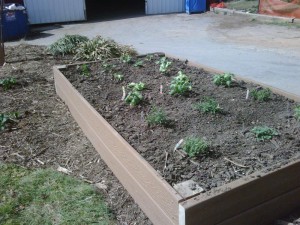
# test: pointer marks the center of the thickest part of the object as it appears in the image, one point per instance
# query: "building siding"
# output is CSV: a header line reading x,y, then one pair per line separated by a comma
x,y
54,11
164,6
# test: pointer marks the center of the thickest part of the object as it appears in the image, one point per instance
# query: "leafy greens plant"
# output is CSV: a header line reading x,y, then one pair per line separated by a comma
x,y
7,118
134,98
263,133
223,79
137,86
297,112
7,83
209,105
164,65
180,84
261,95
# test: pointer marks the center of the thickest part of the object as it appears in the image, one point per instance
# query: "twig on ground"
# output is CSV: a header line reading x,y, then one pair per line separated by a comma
x,y
237,164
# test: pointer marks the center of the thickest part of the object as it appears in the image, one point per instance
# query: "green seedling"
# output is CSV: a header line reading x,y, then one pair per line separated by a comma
x,y
195,146
119,77
149,57
223,79
108,68
261,95
157,116
139,63
134,98
297,112
7,118
263,133
126,58
180,84
7,83
137,86
85,70
164,65
209,105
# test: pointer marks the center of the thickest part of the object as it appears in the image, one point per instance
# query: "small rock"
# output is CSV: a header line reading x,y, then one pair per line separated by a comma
x,y
101,186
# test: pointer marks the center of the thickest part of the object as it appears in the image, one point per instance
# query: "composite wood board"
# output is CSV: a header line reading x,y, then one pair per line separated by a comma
x,y
241,195
267,212
125,162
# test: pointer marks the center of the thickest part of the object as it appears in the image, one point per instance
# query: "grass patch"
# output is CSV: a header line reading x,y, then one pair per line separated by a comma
x,y
45,196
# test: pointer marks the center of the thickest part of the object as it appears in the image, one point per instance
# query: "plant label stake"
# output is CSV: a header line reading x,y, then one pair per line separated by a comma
x,y
247,94
161,89
178,144
124,93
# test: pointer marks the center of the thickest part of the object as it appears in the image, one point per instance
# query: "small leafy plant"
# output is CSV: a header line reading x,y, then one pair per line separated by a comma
x,y
223,79
149,57
137,86
85,70
7,118
139,63
108,68
134,98
209,105
180,84
157,116
263,133
164,65
194,146
261,95
297,112
126,58
119,77
7,83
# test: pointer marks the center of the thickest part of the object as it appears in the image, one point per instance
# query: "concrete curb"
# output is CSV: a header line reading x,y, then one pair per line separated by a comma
x,y
258,17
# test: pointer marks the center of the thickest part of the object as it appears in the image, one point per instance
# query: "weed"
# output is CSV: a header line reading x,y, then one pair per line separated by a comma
x,y
209,105
261,95
134,98
297,112
119,77
263,133
126,58
157,116
85,70
164,65
223,79
194,146
7,83
100,49
44,196
7,118
180,84
137,86
139,63
67,45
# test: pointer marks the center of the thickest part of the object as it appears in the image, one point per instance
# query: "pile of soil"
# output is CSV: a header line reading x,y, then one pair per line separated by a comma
x,y
229,133
46,135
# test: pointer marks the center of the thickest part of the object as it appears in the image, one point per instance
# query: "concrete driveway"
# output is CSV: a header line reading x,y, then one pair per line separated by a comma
x,y
266,53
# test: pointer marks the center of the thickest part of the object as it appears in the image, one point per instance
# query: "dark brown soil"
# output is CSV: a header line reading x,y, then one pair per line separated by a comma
x,y
228,133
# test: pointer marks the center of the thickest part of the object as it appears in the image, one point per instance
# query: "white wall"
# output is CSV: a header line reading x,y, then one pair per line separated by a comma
x,y
53,11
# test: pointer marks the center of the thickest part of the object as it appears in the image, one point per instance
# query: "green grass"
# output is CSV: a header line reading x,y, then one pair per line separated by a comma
x,y
194,146
45,196
248,6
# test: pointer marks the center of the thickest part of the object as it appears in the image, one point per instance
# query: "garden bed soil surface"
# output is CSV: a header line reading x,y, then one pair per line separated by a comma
x,y
234,150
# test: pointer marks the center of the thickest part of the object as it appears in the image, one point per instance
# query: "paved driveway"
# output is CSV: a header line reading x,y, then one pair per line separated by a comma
x,y
267,53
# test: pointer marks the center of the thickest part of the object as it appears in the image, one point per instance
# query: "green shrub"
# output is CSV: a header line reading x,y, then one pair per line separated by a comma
x,y
209,105
195,146
67,45
223,79
297,112
261,95
157,116
7,83
263,133
180,84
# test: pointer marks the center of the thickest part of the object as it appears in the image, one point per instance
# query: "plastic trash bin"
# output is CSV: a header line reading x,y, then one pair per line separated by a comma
x,y
195,6
14,24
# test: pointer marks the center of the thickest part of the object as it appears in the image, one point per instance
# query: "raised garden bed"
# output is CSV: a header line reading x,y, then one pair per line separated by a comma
x,y
244,181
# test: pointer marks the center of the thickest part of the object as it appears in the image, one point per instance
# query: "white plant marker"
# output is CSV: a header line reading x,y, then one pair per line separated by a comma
x,y
247,94
124,93
161,89
178,144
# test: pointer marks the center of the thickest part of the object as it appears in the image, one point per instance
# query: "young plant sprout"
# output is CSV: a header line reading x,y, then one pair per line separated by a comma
x,y
157,116
194,146
164,65
180,84
7,118
209,105
261,95
134,98
108,68
126,58
223,79
119,77
85,70
297,112
138,63
7,83
137,86
263,133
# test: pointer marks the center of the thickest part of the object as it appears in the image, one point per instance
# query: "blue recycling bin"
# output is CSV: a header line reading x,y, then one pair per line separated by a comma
x,y
14,24
195,6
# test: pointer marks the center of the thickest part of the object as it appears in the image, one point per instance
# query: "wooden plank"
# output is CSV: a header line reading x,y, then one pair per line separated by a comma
x,y
241,195
248,80
267,212
153,194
